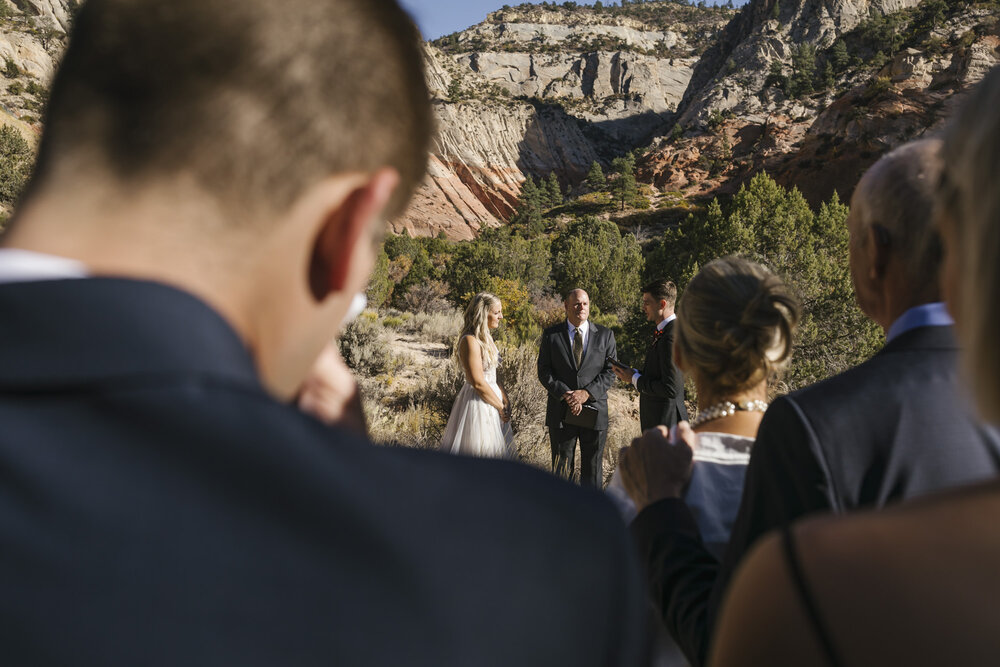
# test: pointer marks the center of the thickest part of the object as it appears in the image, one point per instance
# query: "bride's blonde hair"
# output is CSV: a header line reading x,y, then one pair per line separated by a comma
x,y
477,326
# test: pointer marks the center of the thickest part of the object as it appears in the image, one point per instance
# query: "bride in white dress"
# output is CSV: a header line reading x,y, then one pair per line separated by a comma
x,y
479,422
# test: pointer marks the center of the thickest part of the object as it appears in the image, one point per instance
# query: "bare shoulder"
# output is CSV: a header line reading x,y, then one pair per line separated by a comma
x,y
762,620
468,343
913,585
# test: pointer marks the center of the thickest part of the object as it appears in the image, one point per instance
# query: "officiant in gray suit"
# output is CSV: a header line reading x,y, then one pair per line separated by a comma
x,y
573,367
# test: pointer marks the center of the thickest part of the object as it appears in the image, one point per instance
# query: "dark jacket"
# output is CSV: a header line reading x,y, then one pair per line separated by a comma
x,y
898,426
558,373
661,385
158,507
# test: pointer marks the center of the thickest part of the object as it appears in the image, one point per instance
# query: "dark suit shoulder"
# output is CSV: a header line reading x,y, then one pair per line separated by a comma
x,y
902,371
555,328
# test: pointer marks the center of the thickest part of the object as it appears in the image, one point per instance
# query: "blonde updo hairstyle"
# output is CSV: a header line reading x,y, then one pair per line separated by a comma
x,y
734,325
477,326
969,198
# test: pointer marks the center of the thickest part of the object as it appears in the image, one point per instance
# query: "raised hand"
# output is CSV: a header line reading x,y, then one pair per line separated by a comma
x,y
330,393
658,464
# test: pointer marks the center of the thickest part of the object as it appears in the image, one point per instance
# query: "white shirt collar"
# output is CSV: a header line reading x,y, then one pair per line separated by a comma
x,y
664,323
584,327
26,266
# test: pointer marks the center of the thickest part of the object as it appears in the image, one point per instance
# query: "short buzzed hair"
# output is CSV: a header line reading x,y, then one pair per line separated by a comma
x,y
662,290
254,100
899,195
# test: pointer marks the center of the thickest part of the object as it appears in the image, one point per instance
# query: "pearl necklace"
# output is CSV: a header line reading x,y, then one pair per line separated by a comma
x,y
725,409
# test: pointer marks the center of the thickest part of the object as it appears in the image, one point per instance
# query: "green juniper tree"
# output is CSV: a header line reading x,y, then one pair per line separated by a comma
x,y
777,228
595,177
624,187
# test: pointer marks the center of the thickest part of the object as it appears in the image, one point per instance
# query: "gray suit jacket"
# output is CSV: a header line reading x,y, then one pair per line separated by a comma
x,y
558,372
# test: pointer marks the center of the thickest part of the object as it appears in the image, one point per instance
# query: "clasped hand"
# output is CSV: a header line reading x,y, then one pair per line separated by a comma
x,y
658,464
576,399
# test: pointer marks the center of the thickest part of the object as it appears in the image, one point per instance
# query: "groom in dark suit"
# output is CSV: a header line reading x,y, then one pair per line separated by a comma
x,y
573,367
660,384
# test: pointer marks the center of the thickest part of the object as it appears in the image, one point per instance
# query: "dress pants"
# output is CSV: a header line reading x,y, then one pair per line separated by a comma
x,y
563,442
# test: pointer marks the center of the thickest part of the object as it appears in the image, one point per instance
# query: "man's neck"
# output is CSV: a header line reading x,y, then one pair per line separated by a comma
x,y
662,316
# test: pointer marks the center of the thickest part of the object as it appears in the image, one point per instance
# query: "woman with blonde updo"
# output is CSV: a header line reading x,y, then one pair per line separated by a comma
x,y
478,425
734,332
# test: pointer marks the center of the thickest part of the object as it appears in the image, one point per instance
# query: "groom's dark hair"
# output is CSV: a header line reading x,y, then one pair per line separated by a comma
x,y
662,290
254,100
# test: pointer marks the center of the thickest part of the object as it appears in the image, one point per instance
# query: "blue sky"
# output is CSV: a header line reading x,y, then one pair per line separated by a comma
x,y
442,17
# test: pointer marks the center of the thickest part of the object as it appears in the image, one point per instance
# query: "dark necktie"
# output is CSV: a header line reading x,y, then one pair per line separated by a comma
x,y
578,347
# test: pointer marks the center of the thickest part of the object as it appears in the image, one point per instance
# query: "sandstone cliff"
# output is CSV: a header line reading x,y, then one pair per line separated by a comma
x,y
32,37
533,90
905,68
481,155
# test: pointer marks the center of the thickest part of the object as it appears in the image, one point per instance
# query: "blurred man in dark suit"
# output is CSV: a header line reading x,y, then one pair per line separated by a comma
x,y
207,202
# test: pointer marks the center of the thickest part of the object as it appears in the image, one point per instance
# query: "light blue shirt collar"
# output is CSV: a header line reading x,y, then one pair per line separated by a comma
x,y
661,325
924,315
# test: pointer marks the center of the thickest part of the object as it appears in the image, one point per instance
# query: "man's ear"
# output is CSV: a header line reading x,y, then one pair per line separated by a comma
x,y
345,226
880,241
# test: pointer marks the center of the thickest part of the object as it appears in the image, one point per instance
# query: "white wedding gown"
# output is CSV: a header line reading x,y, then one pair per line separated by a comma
x,y
474,427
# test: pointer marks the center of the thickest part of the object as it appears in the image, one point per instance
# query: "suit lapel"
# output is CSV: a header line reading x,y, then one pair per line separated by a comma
x,y
591,341
562,340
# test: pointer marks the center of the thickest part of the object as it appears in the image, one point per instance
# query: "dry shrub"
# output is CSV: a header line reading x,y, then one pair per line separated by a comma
x,y
439,391
416,419
427,297
550,310
518,373
623,426
415,426
439,327
366,349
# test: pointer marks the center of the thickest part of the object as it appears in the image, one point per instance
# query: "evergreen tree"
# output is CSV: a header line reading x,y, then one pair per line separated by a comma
x,y
16,159
803,70
624,187
528,215
380,286
553,193
839,57
595,177
594,255
808,249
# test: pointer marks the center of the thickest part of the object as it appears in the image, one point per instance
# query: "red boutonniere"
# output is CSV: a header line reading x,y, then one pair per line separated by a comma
x,y
656,336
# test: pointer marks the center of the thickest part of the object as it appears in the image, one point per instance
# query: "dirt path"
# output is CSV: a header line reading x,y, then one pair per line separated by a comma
x,y
420,355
